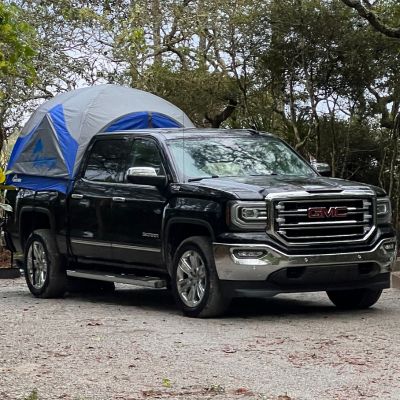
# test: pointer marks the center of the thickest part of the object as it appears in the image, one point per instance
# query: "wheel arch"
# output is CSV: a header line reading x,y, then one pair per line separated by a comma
x,y
177,230
33,218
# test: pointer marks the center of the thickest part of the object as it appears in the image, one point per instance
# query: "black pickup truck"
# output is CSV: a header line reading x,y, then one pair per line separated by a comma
x,y
212,214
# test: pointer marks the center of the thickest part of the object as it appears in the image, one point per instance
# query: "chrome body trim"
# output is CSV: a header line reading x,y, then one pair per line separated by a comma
x,y
91,243
115,245
230,267
138,248
303,196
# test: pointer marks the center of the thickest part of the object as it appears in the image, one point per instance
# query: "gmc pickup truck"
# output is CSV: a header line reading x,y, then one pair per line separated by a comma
x,y
211,214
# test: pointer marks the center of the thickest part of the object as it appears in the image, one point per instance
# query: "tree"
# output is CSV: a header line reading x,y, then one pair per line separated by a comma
x,y
192,53
62,52
16,55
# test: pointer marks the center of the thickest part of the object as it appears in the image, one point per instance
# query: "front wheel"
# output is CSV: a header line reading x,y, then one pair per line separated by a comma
x,y
195,282
354,299
44,271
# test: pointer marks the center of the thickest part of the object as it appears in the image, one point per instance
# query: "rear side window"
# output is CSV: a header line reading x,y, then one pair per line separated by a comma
x,y
107,161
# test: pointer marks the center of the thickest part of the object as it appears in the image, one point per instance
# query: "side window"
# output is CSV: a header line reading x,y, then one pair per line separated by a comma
x,y
106,161
146,154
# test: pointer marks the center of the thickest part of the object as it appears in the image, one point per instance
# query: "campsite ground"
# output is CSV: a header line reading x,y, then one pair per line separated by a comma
x,y
136,345
5,258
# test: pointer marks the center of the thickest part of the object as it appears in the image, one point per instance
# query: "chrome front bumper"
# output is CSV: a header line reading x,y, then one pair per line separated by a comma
x,y
232,268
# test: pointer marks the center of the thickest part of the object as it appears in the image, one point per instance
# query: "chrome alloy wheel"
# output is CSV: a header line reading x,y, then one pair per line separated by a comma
x,y
36,265
191,278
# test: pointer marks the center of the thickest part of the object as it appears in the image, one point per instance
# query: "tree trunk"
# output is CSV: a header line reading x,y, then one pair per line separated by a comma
x,y
393,162
157,25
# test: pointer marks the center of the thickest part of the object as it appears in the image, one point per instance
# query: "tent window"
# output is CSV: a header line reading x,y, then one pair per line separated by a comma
x,y
106,161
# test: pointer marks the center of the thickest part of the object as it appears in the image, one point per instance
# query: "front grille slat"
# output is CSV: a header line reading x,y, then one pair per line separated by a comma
x,y
328,236
327,220
322,225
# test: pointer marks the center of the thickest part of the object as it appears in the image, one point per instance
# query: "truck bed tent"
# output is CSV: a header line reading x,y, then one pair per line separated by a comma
x,y
51,145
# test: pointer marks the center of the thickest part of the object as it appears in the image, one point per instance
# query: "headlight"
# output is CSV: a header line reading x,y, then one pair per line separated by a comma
x,y
248,215
384,209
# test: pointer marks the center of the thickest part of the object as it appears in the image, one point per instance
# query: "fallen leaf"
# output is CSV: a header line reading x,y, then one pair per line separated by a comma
x,y
166,383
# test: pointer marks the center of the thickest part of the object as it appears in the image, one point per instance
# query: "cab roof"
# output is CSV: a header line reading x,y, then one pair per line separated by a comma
x,y
187,133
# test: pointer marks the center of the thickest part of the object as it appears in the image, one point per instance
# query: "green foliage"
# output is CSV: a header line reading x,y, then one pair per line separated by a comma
x,y
16,51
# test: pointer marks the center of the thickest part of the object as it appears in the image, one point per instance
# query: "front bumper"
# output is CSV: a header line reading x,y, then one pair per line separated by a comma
x,y
231,267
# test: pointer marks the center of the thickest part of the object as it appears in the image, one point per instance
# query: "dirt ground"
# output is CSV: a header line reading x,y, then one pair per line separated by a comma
x,y
5,258
135,344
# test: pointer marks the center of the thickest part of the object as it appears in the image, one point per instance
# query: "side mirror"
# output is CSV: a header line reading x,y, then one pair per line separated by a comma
x,y
145,176
323,169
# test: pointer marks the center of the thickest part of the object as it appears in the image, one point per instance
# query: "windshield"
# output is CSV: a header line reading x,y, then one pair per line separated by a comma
x,y
236,157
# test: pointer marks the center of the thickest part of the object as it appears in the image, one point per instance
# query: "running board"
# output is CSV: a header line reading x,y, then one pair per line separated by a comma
x,y
146,281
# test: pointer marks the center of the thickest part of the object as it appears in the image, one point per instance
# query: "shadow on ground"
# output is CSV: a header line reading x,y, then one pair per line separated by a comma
x,y
313,305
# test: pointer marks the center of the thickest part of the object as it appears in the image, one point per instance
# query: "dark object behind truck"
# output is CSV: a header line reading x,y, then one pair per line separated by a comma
x,y
213,214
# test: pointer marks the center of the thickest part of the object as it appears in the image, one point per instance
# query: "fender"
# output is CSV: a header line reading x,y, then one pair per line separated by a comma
x,y
38,210
166,231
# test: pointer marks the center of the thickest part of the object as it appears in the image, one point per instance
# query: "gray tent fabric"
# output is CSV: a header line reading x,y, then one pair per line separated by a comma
x,y
53,141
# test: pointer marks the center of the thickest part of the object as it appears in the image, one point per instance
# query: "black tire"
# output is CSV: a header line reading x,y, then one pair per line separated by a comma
x,y
212,303
53,282
354,299
90,286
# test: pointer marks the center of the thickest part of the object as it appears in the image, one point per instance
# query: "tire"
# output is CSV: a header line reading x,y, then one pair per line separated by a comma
x,y
44,268
195,282
354,299
90,286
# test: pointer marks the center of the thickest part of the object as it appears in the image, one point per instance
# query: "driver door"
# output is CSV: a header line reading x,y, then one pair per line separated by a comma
x,y
137,210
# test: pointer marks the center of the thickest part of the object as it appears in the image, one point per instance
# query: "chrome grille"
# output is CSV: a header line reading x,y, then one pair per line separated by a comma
x,y
327,220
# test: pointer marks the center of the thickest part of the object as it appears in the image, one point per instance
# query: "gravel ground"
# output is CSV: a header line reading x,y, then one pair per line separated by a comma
x,y
136,345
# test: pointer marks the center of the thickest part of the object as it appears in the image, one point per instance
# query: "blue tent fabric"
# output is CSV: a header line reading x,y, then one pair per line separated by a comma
x,y
163,121
68,144
138,120
38,183
142,120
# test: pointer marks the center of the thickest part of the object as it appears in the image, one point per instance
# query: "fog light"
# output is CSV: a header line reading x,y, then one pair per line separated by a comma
x,y
249,253
389,246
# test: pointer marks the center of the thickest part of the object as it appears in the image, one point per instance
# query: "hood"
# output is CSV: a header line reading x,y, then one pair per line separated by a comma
x,y
257,187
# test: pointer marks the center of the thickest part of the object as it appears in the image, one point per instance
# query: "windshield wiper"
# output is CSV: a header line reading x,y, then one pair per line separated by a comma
x,y
202,177
272,173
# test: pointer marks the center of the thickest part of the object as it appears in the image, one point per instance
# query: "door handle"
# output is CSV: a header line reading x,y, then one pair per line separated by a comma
x,y
118,199
76,196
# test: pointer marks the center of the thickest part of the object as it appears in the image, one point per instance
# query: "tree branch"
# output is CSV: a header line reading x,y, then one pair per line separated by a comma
x,y
218,119
365,11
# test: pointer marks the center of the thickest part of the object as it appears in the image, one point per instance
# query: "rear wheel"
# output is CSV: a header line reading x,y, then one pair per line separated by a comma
x,y
44,270
354,299
195,282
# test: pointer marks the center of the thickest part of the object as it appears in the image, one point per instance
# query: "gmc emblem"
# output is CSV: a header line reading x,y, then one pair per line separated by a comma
x,y
327,212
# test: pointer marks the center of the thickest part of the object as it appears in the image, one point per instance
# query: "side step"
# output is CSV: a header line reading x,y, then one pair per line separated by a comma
x,y
146,281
